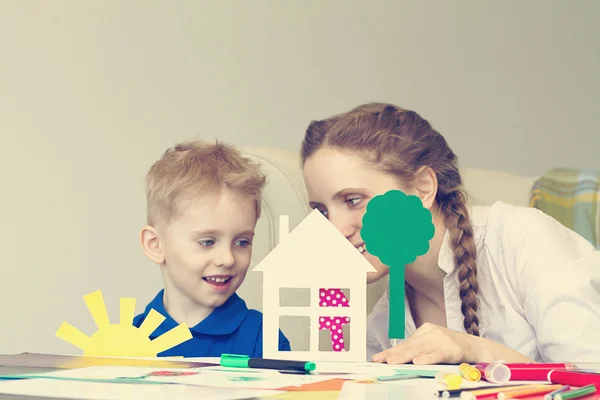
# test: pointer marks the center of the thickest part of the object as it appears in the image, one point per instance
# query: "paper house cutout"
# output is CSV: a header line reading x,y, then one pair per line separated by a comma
x,y
122,339
315,255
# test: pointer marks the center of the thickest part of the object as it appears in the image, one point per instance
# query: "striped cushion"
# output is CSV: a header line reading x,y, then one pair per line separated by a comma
x,y
571,196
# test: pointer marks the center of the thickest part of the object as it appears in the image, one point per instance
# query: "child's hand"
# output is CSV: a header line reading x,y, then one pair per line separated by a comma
x,y
432,344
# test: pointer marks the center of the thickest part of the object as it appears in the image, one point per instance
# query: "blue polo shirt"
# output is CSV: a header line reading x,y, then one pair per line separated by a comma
x,y
231,328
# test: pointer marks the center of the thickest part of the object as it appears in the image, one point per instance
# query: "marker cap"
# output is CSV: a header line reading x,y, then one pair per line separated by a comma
x,y
453,381
497,373
310,366
494,372
469,372
234,361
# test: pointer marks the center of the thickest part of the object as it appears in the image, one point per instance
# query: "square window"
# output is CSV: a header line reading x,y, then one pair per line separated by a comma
x,y
294,297
297,330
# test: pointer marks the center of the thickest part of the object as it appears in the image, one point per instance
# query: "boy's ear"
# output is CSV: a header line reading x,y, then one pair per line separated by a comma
x,y
151,245
426,186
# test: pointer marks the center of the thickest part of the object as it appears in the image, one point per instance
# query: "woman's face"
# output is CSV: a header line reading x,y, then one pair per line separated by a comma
x,y
340,184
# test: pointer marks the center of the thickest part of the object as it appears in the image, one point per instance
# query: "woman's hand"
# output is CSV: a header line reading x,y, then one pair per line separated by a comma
x,y
433,344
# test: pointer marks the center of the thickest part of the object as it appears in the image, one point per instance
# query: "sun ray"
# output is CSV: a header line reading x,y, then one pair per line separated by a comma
x,y
122,339
127,310
96,306
172,338
152,321
72,335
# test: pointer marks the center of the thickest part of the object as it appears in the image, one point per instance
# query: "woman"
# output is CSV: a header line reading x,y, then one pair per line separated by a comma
x,y
498,283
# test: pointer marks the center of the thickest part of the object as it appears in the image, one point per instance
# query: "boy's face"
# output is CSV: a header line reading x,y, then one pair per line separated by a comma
x,y
207,251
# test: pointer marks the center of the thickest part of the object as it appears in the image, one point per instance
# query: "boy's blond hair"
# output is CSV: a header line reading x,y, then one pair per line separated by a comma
x,y
192,169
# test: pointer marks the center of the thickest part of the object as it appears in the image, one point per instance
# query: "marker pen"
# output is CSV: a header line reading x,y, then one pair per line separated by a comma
x,y
576,393
469,372
243,361
452,381
494,372
577,379
533,371
515,394
492,393
550,396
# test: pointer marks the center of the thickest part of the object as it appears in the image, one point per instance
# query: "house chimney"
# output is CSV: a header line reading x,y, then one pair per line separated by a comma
x,y
284,227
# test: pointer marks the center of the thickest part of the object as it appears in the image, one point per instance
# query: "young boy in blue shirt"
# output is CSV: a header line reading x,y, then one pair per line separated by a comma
x,y
203,204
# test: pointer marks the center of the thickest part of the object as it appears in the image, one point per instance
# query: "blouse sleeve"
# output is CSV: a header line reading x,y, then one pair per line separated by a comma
x,y
377,327
558,283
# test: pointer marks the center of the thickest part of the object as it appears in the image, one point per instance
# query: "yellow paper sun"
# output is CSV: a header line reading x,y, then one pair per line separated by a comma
x,y
122,339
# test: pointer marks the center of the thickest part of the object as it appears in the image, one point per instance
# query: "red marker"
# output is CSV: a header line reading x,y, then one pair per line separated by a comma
x,y
578,379
534,372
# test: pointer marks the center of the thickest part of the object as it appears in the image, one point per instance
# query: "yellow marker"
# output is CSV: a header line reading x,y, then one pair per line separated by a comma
x,y
469,372
452,381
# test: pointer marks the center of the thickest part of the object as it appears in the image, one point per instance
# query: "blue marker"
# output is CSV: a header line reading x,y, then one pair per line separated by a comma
x,y
551,395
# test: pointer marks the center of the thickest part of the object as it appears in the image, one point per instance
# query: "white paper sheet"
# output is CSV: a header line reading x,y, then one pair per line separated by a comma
x,y
361,391
240,378
123,391
371,371
377,369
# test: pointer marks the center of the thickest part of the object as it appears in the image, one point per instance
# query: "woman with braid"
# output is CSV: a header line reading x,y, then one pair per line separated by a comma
x,y
498,283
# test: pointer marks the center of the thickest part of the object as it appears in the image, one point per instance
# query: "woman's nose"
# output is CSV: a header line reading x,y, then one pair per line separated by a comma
x,y
344,224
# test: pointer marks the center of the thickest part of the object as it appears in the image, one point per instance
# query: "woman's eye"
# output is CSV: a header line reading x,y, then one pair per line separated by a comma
x,y
207,243
243,243
354,201
324,212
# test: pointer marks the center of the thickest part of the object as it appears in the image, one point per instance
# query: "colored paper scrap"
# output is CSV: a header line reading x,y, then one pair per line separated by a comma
x,y
45,388
334,298
238,379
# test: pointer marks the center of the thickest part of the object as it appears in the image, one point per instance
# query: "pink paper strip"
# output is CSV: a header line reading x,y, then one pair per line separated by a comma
x,y
334,298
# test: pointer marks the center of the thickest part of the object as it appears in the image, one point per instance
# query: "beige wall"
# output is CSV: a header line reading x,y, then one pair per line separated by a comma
x,y
91,93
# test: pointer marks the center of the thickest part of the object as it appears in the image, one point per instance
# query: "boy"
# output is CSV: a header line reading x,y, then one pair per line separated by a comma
x,y
203,204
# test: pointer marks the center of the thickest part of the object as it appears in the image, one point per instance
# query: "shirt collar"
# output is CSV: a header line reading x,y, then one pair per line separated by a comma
x,y
224,320
446,256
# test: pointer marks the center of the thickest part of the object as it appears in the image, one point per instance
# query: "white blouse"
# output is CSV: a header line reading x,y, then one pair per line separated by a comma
x,y
539,287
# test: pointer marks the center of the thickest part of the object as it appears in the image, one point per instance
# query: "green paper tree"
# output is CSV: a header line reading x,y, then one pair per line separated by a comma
x,y
397,229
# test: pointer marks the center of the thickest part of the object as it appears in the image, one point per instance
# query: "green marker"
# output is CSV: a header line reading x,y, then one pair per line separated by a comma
x,y
576,393
240,361
397,229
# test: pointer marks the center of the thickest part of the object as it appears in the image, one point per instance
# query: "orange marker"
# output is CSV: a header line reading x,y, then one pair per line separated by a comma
x,y
517,394
493,392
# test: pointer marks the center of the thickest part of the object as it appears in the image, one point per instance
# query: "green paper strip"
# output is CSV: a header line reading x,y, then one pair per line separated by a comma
x,y
397,316
425,373
397,229
61,378
408,374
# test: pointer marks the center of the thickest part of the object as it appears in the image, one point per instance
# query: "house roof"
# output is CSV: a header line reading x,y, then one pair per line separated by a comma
x,y
315,246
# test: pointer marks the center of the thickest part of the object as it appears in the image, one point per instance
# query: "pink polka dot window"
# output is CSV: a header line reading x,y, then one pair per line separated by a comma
x,y
334,298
